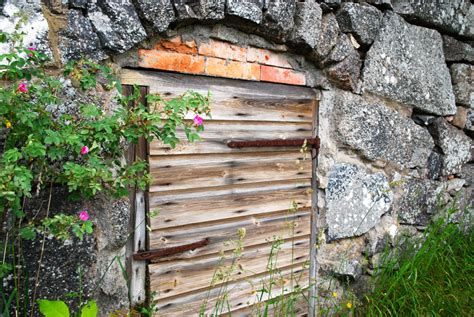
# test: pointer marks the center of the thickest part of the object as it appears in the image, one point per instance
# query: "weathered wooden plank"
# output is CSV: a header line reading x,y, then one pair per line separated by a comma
x,y
259,229
235,109
181,212
184,276
229,173
242,294
176,84
216,134
294,307
167,161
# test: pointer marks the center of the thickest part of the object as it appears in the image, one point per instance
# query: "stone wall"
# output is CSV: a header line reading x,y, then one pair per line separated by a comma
x,y
396,111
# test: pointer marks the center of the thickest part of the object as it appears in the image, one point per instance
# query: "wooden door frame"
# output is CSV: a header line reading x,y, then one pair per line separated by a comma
x,y
139,220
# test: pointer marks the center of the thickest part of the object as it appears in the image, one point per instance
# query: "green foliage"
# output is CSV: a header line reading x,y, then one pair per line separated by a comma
x,y
82,149
57,308
432,276
89,309
53,308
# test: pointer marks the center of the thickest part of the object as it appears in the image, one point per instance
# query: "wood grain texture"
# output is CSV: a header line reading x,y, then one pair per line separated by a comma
x,y
260,229
219,203
244,293
228,173
170,83
208,191
184,276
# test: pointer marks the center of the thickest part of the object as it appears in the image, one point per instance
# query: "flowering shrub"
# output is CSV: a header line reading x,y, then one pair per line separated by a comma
x,y
82,150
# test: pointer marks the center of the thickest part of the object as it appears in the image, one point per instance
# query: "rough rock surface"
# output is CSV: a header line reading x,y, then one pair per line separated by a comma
x,y
159,13
78,4
362,21
35,29
406,64
327,37
278,19
202,9
355,200
117,24
308,17
347,266
380,133
453,16
457,51
454,144
246,9
79,39
417,200
462,76
346,74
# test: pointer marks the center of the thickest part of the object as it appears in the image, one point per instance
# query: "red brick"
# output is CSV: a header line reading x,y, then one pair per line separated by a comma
x,y
176,45
223,50
282,75
266,57
232,69
171,61
251,71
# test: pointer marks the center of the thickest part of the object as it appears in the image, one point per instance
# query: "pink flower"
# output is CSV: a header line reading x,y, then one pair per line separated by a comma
x,y
84,215
197,120
84,150
32,49
22,87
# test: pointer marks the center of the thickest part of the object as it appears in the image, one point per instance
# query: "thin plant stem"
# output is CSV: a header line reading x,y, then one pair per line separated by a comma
x,y
41,253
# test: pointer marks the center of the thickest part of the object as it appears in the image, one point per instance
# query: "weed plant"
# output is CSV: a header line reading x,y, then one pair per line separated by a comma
x,y
430,276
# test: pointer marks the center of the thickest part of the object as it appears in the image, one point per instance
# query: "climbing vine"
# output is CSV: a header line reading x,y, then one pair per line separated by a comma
x,y
81,149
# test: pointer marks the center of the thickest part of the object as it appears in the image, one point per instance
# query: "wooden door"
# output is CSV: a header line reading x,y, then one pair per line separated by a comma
x,y
205,192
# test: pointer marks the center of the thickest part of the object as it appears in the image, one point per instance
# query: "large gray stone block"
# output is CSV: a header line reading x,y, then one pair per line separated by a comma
x,y
363,21
452,16
346,73
454,144
199,9
355,200
418,200
406,64
462,76
328,37
307,29
279,18
159,13
79,39
246,9
35,29
379,133
457,51
117,24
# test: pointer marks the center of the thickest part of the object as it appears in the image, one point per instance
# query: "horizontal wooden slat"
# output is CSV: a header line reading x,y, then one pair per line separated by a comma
x,y
176,84
167,161
215,136
295,307
242,294
184,276
229,173
237,109
258,230
227,204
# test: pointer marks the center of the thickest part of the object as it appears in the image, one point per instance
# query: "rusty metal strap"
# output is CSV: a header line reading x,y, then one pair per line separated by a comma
x,y
162,252
311,142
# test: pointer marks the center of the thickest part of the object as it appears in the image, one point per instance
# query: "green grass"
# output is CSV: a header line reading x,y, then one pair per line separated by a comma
x,y
430,278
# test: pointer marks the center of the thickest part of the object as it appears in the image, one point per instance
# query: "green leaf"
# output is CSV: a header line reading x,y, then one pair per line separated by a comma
x,y
28,233
90,309
53,308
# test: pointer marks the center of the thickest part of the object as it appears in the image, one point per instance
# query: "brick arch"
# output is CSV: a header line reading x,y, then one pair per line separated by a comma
x,y
220,59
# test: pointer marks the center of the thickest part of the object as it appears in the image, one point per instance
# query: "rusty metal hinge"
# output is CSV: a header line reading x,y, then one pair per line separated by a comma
x,y
311,142
162,252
